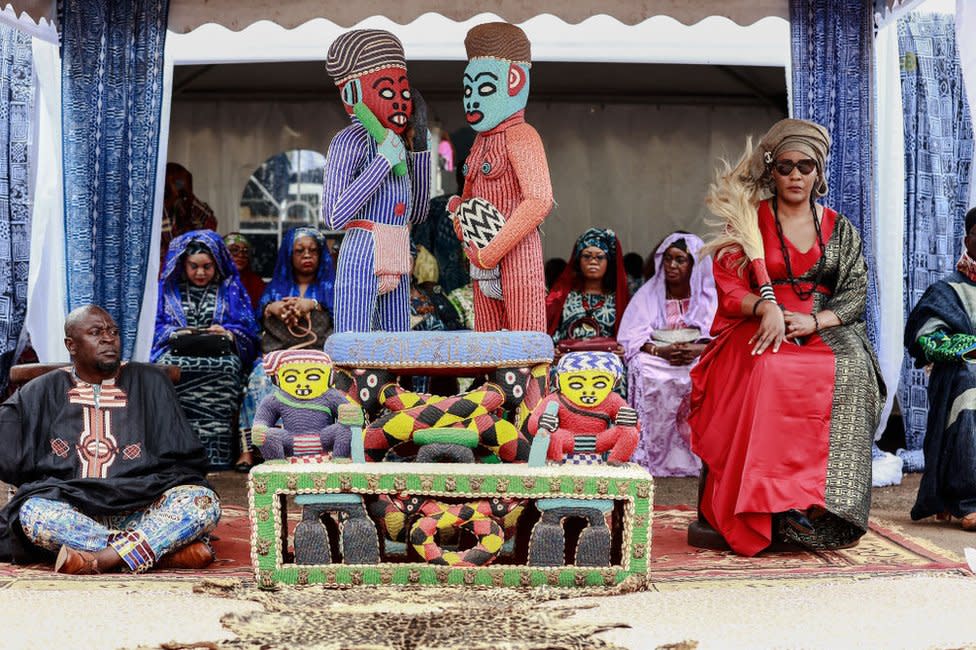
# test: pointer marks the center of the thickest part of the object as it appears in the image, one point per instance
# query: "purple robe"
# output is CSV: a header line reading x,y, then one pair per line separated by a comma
x,y
657,390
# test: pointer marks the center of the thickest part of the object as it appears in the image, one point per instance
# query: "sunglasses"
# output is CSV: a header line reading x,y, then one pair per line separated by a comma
x,y
785,167
595,257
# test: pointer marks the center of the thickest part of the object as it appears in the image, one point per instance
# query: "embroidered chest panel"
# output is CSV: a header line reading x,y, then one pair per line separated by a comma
x,y
98,447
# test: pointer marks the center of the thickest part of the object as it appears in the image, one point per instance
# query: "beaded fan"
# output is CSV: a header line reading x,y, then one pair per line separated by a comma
x,y
733,199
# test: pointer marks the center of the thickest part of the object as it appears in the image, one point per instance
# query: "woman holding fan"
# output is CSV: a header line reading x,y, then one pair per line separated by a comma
x,y
787,396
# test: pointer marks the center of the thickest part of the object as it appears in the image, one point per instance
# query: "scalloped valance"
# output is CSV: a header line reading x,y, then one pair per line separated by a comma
x,y
34,17
186,15
38,17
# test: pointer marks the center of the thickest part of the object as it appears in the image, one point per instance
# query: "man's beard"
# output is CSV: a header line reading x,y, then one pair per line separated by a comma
x,y
108,367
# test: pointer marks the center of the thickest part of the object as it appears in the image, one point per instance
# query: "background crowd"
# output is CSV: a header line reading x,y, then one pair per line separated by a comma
x,y
216,318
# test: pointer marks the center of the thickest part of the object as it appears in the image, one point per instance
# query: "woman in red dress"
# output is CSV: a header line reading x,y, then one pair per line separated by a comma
x,y
787,396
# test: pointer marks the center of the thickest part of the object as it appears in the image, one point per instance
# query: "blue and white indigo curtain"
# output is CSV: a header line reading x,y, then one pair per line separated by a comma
x,y
16,117
938,158
112,92
832,61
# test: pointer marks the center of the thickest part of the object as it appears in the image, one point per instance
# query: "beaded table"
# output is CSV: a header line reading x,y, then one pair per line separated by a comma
x,y
454,353
626,492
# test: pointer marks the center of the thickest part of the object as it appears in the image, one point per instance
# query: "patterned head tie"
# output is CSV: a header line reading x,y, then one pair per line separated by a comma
x,y
361,52
498,41
302,231
274,360
602,238
809,138
578,361
236,238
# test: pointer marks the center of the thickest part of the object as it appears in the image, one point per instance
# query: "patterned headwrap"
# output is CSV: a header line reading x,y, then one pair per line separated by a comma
x,y
303,231
602,238
236,238
362,51
577,361
274,360
606,240
809,138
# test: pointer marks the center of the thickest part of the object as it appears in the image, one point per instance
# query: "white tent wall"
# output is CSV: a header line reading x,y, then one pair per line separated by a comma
x,y
889,211
639,169
46,303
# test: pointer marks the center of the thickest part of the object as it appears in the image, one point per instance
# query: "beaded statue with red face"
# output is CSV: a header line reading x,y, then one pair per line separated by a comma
x,y
377,180
386,93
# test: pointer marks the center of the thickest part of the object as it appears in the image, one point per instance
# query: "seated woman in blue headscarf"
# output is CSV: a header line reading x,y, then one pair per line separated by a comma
x,y
303,280
204,325
295,312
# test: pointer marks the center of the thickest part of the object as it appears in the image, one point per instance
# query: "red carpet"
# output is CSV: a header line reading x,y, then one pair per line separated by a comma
x,y
231,542
883,551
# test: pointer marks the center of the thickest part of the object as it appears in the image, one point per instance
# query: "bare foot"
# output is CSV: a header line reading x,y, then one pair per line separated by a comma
x,y
969,522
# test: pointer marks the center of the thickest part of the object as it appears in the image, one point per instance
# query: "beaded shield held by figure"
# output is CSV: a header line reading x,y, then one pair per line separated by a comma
x,y
480,221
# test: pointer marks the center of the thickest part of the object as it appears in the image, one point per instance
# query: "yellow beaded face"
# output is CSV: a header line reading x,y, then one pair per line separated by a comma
x,y
586,388
304,380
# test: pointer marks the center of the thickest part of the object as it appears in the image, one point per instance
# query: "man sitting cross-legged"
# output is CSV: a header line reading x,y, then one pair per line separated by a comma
x,y
110,474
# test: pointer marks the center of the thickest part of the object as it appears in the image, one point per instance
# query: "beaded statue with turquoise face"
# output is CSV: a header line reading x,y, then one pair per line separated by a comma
x,y
494,90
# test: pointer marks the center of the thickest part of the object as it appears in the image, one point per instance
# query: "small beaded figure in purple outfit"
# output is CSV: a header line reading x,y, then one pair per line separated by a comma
x,y
305,406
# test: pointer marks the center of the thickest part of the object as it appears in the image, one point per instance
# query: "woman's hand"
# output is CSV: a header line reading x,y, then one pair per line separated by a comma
x,y
289,310
772,328
218,329
290,314
687,353
677,354
798,325
276,309
667,352
301,306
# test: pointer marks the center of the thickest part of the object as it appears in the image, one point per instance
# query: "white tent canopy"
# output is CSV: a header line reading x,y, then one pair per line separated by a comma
x,y
187,15
32,17
434,37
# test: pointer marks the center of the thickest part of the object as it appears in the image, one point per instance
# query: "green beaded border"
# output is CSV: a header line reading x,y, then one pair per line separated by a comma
x,y
266,553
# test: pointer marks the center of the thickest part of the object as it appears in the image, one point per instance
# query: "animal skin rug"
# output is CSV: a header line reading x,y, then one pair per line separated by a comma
x,y
404,618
